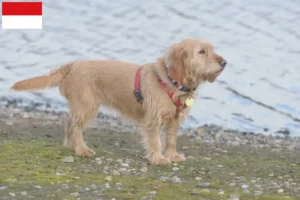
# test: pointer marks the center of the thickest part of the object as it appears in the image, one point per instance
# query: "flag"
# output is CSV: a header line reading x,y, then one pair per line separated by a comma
x,y
22,15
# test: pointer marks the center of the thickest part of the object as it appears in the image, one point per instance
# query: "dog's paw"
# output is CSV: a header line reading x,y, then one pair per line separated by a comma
x,y
159,159
176,157
86,152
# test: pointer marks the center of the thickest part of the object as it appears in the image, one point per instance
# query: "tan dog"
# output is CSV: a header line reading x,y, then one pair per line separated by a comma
x,y
88,84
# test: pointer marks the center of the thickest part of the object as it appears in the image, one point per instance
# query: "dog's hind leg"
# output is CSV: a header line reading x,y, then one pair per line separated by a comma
x,y
81,112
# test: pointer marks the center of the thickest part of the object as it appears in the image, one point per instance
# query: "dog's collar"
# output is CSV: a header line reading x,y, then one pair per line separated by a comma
x,y
179,87
139,97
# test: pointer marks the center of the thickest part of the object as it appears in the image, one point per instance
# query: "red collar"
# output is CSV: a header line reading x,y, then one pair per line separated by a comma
x,y
138,94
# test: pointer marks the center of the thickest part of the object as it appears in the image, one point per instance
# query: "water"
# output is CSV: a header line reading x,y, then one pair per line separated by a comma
x,y
260,88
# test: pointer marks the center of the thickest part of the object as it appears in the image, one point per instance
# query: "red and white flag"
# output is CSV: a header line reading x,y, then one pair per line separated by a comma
x,y
22,15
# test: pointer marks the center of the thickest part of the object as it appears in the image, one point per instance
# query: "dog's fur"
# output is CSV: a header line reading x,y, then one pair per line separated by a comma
x,y
88,84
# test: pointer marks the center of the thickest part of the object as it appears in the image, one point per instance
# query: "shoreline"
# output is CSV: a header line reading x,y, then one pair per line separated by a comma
x,y
220,164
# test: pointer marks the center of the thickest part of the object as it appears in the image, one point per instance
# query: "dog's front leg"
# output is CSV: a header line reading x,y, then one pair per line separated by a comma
x,y
151,134
171,141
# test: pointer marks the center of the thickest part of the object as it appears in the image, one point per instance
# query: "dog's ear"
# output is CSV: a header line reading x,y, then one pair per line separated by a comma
x,y
175,58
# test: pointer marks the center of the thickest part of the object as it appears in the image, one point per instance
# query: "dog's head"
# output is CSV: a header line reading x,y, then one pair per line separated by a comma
x,y
193,61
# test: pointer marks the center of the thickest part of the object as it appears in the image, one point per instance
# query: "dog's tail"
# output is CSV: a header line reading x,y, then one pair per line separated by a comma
x,y
52,79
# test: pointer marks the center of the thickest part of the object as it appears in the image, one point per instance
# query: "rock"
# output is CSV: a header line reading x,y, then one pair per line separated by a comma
x,y
106,185
106,168
108,178
232,184
253,181
98,159
194,192
220,166
271,175
109,159
125,165
65,186
81,190
203,185
99,162
152,192
75,194
258,192
122,169
76,177
59,174
175,169
204,191
175,179
12,194
144,169
93,186
87,189
184,148
119,186
220,192
24,193
127,161
198,178
116,173
234,197
68,159
145,198
37,186
280,191
2,187
163,178
244,186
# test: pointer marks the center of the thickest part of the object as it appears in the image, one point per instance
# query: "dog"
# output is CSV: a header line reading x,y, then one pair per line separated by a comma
x,y
156,95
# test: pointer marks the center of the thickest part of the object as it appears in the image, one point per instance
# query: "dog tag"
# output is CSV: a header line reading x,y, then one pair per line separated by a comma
x,y
189,102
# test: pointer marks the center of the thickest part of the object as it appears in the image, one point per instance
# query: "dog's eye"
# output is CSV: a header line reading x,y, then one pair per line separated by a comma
x,y
202,51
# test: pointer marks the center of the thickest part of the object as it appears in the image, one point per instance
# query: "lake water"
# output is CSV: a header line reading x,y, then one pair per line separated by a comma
x,y
259,90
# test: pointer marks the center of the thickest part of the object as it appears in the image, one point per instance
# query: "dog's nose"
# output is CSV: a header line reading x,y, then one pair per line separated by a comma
x,y
223,63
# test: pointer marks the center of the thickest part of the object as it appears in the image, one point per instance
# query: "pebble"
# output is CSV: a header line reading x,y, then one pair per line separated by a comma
x,y
198,178
152,192
68,159
184,148
93,186
75,194
119,186
108,178
98,159
106,168
116,173
175,179
205,191
175,169
258,192
12,194
65,186
232,184
203,185
244,186
2,187
106,185
271,175
24,193
144,169
234,197
163,178
194,192
220,166
81,190
37,186
145,198
280,191
220,192
76,177
122,169
109,159
125,165
58,174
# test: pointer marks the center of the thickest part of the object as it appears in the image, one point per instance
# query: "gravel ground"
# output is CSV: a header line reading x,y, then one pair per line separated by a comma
x,y
221,164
